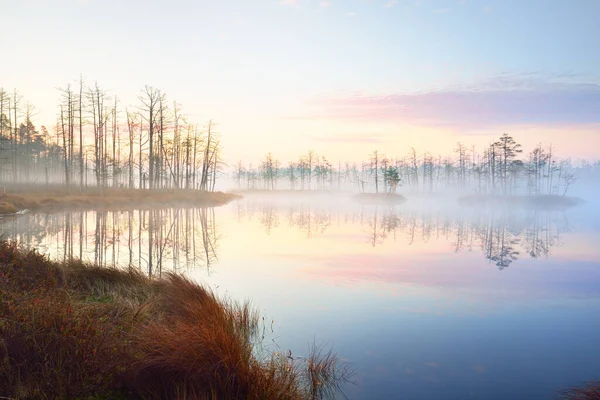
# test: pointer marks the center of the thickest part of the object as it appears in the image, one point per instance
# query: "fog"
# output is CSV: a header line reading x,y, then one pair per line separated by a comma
x,y
436,275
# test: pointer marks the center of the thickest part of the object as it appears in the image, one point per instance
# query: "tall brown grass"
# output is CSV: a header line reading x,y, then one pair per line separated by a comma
x,y
74,330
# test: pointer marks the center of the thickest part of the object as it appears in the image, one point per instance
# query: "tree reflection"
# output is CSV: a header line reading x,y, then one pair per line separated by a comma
x,y
152,241
503,238
176,238
308,218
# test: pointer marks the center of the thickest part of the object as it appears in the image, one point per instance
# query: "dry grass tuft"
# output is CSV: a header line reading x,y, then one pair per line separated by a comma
x,y
7,208
77,331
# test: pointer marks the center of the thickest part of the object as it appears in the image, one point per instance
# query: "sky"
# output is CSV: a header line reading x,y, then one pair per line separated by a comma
x,y
343,78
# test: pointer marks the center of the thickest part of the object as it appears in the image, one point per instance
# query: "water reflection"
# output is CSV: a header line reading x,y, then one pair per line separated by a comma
x,y
408,295
152,241
426,302
502,237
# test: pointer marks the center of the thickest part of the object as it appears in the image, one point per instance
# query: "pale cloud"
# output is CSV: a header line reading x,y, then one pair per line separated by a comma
x,y
390,3
426,274
325,4
441,11
288,2
351,14
505,100
570,74
488,9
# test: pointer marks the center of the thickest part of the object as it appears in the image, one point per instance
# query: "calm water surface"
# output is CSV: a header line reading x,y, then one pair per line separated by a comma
x,y
425,301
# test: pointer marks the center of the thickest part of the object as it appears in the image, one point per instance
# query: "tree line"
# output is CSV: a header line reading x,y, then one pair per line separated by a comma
x,y
97,142
500,168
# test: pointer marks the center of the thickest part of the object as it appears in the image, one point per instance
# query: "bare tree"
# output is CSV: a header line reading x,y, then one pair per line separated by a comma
x,y
415,169
375,167
569,178
16,100
151,99
131,127
80,109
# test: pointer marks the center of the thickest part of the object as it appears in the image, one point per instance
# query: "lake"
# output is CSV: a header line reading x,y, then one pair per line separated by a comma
x,y
426,300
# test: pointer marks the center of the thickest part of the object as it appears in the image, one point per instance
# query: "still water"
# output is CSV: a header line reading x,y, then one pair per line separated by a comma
x,y
424,301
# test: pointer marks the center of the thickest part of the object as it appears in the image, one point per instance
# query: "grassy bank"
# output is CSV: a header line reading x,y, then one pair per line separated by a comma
x,y
545,202
59,198
379,198
80,331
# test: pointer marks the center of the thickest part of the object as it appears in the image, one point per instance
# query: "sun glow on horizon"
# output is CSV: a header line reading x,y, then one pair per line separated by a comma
x,y
288,76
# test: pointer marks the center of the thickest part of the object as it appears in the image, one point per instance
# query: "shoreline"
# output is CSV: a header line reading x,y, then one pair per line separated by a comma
x,y
56,199
77,330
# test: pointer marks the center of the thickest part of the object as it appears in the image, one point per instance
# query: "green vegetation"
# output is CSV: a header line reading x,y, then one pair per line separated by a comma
x,y
58,198
74,330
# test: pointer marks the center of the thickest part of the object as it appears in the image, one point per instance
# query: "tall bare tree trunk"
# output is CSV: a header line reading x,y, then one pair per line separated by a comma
x,y
64,137
81,132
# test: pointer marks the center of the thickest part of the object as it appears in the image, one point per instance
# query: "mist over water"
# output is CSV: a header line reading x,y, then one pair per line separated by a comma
x,y
427,299
411,183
